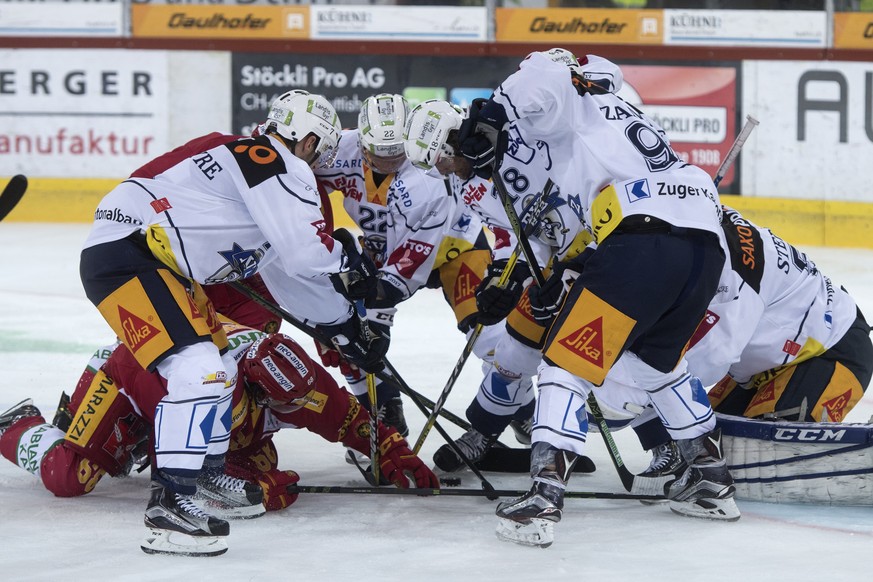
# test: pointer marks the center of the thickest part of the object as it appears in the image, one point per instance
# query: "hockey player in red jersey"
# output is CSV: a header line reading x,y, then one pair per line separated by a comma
x,y
218,209
109,422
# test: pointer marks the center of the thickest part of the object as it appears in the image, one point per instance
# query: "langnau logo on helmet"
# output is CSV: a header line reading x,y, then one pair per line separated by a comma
x,y
298,113
429,132
380,131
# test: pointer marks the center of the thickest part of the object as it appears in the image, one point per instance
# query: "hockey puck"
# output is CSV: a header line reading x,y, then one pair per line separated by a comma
x,y
450,481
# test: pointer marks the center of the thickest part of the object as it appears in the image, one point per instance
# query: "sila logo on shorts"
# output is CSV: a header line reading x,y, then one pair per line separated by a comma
x,y
137,332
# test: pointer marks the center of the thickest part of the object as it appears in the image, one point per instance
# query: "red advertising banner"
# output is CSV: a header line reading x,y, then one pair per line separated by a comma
x,y
696,106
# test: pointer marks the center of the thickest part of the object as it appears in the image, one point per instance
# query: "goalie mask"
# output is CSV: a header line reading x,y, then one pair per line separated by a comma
x,y
431,133
296,114
380,131
277,370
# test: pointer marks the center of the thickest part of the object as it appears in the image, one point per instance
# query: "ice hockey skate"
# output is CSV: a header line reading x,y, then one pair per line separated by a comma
x,y
705,490
21,410
176,526
391,414
472,444
227,497
522,429
667,465
530,520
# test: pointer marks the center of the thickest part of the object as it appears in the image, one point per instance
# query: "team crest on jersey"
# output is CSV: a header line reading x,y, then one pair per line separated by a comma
x,y
409,257
241,263
137,331
257,159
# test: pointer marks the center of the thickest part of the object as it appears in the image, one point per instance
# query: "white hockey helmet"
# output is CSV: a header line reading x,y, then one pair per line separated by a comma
x,y
296,114
592,70
565,57
429,132
380,131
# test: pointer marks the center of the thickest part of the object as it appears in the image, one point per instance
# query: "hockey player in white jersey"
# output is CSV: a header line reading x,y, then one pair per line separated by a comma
x,y
506,394
654,267
219,208
414,230
790,345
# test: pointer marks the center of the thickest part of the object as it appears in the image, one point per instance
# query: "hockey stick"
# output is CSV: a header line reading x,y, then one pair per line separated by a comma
x,y
12,194
452,492
477,331
732,154
315,334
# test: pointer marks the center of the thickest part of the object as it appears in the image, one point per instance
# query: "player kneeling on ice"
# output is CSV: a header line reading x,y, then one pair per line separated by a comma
x,y
105,429
653,268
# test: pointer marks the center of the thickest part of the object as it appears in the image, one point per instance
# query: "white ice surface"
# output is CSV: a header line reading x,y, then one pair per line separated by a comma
x,y
48,330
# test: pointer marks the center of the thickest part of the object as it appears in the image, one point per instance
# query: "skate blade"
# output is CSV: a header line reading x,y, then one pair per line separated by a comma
x,y
538,533
224,511
172,543
708,508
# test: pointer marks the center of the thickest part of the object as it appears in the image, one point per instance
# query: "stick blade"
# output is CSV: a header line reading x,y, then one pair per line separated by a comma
x,y
11,194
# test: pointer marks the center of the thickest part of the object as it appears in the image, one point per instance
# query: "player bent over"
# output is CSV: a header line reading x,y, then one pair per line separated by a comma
x,y
506,394
789,345
652,270
217,209
278,386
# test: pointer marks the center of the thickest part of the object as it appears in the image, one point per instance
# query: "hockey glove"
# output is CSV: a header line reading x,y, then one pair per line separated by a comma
x,y
363,346
495,303
396,460
275,484
546,301
482,138
358,279
331,358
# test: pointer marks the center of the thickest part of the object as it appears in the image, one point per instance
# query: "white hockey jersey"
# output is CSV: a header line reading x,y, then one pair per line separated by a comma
x,y
403,220
787,311
221,208
607,158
